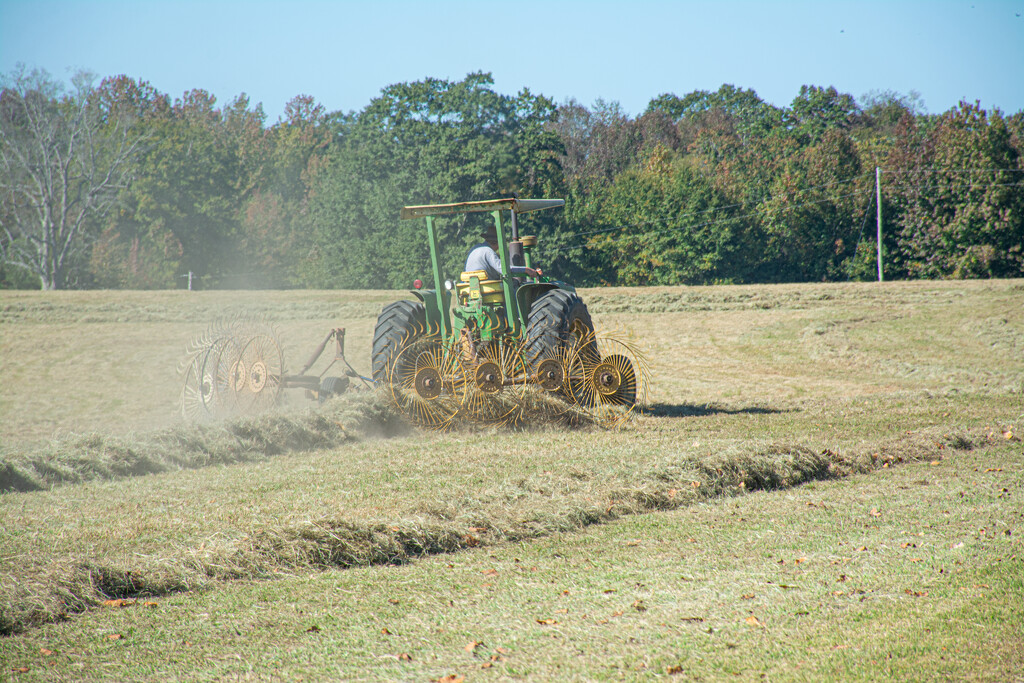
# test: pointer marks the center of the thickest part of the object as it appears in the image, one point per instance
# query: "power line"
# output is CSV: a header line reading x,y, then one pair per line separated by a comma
x,y
938,169
642,233
971,186
715,222
716,209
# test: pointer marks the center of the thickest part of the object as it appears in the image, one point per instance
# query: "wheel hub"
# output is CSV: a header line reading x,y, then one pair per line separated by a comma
x,y
488,377
607,379
428,383
550,374
238,377
257,377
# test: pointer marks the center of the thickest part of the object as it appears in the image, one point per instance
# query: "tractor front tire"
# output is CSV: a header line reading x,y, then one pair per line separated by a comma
x,y
399,325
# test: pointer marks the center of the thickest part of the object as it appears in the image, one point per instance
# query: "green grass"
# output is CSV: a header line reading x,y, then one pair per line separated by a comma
x,y
632,599
886,407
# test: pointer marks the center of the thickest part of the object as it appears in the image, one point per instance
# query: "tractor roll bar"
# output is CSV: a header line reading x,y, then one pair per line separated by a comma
x,y
513,203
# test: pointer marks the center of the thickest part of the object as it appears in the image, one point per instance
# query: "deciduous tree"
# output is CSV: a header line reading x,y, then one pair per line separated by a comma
x,y
64,159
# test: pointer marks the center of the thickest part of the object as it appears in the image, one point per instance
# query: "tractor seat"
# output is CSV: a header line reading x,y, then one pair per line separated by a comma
x,y
490,291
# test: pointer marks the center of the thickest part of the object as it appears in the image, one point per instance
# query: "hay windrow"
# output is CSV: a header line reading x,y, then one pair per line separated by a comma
x,y
80,458
529,508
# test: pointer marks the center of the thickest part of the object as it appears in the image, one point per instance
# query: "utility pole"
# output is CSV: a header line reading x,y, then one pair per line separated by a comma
x,y
878,203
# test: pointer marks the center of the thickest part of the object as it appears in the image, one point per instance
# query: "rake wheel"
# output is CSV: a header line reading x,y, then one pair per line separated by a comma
x,y
205,390
499,381
428,382
197,393
235,366
607,378
256,374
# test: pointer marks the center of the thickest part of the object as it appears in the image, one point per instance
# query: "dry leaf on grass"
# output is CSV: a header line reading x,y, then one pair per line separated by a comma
x,y
753,621
547,622
118,603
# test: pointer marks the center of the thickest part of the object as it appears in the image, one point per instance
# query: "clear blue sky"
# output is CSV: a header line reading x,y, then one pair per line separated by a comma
x,y
344,53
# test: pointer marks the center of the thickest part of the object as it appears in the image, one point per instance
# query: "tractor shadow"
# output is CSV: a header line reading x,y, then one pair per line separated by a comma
x,y
690,410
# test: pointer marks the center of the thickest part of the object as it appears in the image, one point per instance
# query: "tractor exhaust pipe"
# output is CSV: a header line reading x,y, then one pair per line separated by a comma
x,y
515,247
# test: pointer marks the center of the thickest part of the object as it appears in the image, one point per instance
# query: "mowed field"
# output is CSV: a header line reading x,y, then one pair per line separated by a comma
x,y
827,482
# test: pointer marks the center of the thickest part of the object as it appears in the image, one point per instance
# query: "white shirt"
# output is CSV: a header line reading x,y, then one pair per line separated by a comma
x,y
482,257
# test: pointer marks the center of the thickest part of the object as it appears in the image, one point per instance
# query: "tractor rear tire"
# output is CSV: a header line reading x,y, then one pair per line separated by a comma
x,y
399,324
558,319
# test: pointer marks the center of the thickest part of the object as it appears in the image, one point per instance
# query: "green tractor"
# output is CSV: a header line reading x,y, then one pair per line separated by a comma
x,y
480,348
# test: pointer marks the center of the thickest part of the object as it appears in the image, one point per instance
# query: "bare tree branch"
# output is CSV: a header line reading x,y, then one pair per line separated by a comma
x,y
63,161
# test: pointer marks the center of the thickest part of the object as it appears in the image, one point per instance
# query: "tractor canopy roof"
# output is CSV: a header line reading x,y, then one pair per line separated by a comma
x,y
513,203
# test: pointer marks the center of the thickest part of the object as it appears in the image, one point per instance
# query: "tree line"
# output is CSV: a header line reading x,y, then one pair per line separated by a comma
x,y
117,185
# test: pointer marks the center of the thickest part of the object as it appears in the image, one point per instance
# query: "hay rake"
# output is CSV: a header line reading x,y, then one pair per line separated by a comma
x,y
594,378
236,367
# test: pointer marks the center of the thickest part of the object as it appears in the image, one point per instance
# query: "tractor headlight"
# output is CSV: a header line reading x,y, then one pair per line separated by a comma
x,y
449,285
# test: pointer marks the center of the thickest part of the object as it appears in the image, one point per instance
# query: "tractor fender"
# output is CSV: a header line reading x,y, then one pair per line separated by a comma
x,y
434,316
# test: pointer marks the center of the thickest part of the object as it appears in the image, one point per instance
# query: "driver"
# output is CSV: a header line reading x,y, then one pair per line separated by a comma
x,y
484,256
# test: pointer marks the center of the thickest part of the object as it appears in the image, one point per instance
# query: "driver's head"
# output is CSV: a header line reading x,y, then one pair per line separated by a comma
x,y
490,235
